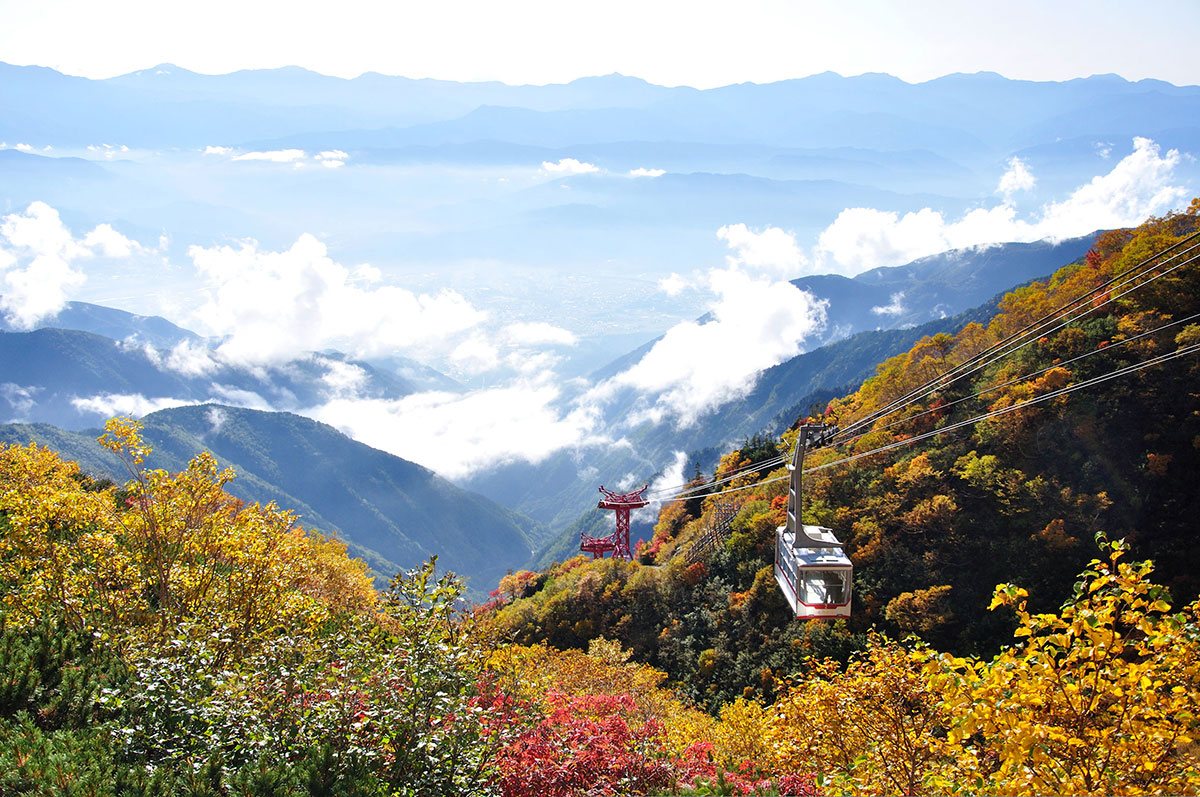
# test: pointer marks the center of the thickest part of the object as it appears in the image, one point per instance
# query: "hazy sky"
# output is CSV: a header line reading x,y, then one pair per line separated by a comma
x,y
694,42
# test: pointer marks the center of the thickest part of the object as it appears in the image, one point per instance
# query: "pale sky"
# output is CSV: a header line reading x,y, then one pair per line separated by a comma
x,y
694,42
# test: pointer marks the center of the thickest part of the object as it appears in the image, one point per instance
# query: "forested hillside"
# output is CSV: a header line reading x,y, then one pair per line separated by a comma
x,y
393,513
934,525
163,637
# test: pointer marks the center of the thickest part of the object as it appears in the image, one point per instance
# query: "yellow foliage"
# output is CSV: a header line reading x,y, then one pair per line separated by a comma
x,y
867,730
164,549
922,610
1099,699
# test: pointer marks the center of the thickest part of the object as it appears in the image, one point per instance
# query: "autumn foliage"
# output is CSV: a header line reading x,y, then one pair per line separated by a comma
x,y
162,637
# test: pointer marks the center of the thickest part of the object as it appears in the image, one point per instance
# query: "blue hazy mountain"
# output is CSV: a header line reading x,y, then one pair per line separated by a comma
x,y
77,379
973,116
443,183
935,286
394,513
116,324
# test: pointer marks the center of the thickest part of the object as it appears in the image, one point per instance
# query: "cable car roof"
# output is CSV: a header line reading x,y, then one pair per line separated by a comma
x,y
814,557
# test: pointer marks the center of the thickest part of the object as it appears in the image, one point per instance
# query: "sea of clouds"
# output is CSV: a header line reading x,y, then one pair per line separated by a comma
x,y
261,308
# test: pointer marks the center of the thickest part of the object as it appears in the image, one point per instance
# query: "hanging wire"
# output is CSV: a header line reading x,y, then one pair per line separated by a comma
x,y
1028,342
1014,380
757,466
1125,371
1034,329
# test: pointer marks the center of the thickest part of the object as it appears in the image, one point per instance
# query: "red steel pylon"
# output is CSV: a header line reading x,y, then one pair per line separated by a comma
x,y
616,543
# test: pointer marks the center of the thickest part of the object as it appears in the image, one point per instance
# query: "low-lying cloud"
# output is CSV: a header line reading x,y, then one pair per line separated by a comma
x,y
38,258
894,307
568,167
532,333
274,156
771,249
273,306
754,321
1137,187
1017,178
109,404
457,435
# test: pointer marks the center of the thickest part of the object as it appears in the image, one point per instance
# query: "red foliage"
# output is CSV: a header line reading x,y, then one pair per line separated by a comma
x,y
585,744
695,573
698,768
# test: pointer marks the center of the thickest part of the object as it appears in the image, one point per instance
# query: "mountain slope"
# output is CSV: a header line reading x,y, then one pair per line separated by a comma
x,y
937,292
402,512
77,379
112,323
938,285
942,500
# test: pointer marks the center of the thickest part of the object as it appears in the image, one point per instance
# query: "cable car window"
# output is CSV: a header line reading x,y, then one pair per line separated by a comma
x,y
823,587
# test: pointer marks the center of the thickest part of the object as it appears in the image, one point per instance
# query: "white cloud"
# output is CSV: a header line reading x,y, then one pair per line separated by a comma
x,y
37,269
216,418
643,172
273,306
109,242
756,323
20,397
532,333
136,405
672,285
1137,187
38,255
772,250
24,147
274,156
332,158
109,151
476,355
342,379
211,150
894,308
1017,178
189,359
238,397
661,489
569,166
459,434
538,364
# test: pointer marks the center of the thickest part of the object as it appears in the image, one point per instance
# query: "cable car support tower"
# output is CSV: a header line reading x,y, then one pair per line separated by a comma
x,y
616,543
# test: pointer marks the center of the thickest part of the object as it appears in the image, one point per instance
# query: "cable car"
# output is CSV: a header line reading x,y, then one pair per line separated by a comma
x,y
814,574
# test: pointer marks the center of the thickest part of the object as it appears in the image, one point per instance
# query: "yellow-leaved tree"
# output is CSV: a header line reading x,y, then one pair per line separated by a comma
x,y
1100,698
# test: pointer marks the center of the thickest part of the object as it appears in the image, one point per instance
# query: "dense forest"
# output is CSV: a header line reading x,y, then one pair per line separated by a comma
x,y
1025,616
933,526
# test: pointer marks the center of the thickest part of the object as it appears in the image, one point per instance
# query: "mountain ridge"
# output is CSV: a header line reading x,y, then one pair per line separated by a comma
x,y
395,512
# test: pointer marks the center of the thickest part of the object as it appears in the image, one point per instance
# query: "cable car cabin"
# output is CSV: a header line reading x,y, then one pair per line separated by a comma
x,y
816,581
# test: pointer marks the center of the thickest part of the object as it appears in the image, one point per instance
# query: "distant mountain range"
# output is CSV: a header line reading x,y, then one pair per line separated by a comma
x,y
961,113
393,513
462,185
